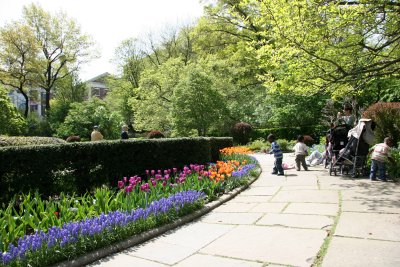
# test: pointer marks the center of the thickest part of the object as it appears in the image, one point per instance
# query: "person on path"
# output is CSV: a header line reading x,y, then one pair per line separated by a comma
x,y
276,150
380,154
96,135
124,133
300,151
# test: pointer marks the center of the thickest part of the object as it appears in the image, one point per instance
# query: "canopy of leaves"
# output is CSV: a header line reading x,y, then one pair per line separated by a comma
x,y
83,116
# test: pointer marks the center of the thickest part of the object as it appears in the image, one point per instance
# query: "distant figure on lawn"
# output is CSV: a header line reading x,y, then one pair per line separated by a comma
x,y
96,135
124,133
276,150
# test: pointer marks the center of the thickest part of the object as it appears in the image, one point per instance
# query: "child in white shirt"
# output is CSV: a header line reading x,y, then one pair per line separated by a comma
x,y
300,151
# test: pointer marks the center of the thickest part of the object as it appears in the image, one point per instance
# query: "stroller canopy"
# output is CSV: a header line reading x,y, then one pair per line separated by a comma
x,y
363,129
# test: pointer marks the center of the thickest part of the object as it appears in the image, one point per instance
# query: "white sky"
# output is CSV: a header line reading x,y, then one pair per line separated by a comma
x,y
111,21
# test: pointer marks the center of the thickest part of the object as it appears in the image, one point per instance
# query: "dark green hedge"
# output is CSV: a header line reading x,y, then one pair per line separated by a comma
x,y
290,133
79,167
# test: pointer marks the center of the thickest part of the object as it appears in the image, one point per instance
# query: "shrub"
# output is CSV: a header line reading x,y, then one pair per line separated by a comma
x,y
308,140
241,132
286,146
28,141
83,166
259,145
387,118
290,133
11,122
155,134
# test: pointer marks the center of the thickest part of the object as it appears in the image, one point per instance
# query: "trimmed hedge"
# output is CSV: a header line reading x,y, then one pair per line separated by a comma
x,y
290,133
28,141
79,167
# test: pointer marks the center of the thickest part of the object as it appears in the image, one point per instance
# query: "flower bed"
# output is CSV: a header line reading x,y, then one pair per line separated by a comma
x,y
41,232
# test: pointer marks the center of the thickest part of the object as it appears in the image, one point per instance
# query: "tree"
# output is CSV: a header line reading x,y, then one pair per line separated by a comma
x,y
63,46
83,116
18,50
118,98
11,122
196,104
153,103
316,45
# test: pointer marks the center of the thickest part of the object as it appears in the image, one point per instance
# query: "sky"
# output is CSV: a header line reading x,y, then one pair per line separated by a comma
x,y
111,21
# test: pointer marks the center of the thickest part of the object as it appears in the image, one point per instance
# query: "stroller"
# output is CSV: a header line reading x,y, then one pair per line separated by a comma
x,y
336,140
354,154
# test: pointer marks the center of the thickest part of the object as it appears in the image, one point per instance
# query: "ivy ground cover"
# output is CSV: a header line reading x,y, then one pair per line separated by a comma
x,y
37,232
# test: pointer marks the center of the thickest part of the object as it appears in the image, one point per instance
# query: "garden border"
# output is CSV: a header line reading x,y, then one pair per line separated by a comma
x,y
147,235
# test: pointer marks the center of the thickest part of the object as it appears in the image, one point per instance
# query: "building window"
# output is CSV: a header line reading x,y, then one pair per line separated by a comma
x,y
95,91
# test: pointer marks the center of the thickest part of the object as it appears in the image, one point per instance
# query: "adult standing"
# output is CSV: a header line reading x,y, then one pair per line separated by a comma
x,y
124,133
347,117
96,135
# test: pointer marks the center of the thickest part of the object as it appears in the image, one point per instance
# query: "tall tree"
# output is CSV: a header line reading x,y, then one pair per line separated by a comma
x,y
62,45
18,51
196,104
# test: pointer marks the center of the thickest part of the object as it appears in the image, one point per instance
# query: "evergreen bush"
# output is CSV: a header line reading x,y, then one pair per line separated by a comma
x,y
87,165
241,133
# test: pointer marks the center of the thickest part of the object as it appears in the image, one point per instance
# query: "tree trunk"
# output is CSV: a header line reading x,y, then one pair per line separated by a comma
x,y
26,111
47,102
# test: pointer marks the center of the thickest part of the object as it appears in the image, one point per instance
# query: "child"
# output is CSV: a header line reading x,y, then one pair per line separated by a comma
x,y
300,150
380,154
276,150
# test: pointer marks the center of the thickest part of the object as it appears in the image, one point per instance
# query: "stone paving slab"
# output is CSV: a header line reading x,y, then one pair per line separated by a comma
x,y
352,252
279,245
297,220
250,199
372,194
313,208
317,196
271,180
269,207
124,260
298,187
369,225
161,252
236,207
301,180
202,260
196,234
261,191
372,206
231,218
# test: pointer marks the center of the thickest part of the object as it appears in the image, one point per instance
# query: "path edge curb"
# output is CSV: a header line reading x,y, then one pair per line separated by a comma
x,y
147,235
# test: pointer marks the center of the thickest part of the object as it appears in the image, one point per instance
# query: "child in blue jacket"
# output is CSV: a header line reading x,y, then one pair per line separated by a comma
x,y
276,150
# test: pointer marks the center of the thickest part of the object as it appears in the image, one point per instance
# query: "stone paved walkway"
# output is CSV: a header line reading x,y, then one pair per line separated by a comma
x,y
285,221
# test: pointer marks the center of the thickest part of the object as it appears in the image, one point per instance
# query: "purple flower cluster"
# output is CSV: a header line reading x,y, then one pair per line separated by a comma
x,y
245,169
73,231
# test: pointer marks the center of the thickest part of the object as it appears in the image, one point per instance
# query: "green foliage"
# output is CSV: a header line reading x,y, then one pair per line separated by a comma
x,y
28,141
196,104
83,166
37,126
290,133
387,118
258,145
286,146
241,132
83,116
394,167
11,122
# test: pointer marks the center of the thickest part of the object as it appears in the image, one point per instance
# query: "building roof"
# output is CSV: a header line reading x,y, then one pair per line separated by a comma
x,y
99,78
